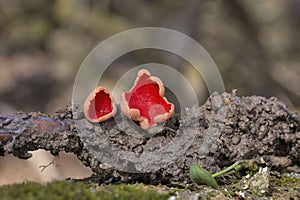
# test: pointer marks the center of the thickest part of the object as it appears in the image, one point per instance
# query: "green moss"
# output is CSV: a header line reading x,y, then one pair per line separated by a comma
x,y
285,181
66,190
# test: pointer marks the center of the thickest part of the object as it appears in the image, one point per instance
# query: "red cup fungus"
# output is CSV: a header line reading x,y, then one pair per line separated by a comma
x,y
145,102
99,105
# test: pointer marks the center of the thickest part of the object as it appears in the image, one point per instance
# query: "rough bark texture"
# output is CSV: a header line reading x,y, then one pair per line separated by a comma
x,y
225,129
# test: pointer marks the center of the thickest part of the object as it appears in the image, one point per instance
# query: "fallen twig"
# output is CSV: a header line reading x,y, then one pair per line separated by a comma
x,y
225,129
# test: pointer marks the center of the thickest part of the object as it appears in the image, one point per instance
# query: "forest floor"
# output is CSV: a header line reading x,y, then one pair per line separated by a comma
x,y
262,184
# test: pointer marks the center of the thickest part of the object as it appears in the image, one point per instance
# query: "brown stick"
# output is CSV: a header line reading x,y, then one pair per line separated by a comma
x,y
224,130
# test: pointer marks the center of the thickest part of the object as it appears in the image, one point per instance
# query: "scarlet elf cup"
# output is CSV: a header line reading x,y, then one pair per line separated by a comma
x,y
145,102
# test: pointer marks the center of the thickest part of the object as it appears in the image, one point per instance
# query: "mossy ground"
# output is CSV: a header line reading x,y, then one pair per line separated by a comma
x,y
280,187
285,187
67,190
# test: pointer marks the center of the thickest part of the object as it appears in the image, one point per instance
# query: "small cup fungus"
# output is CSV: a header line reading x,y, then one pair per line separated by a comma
x,y
145,102
99,105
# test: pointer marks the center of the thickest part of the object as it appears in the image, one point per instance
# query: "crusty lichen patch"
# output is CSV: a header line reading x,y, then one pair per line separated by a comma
x,y
265,183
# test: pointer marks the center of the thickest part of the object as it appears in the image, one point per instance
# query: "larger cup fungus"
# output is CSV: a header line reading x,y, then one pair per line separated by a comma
x,y
99,105
145,102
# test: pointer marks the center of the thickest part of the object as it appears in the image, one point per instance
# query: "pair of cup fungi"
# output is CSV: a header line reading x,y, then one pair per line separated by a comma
x,y
145,102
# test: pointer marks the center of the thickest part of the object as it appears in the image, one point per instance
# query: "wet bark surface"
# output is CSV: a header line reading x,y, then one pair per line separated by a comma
x,y
227,128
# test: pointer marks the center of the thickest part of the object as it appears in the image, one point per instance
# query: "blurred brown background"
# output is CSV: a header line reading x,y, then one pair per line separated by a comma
x,y
42,43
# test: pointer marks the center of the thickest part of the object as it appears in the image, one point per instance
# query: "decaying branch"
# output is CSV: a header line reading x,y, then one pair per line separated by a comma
x,y
225,129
